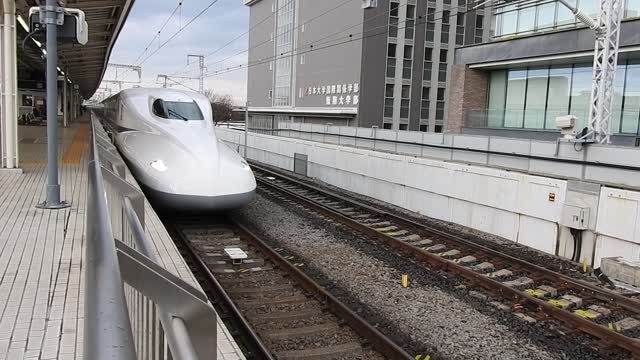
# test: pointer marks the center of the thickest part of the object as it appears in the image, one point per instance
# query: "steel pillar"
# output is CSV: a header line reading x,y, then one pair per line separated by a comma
x,y
50,16
605,62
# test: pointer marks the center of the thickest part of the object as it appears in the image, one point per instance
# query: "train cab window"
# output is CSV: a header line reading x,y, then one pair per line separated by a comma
x,y
177,110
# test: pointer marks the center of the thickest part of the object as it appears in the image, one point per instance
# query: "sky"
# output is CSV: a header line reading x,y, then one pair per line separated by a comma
x,y
220,24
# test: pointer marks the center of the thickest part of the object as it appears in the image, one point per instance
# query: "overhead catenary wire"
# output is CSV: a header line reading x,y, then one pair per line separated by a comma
x,y
319,41
179,31
314,47
182,28
275,39
157,35
293,29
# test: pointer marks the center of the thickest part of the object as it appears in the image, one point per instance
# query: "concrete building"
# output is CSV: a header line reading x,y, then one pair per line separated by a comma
x,y
357,62
538,65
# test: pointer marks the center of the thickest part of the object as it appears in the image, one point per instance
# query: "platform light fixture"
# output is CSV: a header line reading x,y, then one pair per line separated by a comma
x,y
23,23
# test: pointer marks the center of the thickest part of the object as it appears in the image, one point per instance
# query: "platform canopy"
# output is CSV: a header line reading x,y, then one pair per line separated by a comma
x,y
85,65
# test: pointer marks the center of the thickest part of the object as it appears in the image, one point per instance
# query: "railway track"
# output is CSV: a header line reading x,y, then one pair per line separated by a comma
x,y
533,293
276,310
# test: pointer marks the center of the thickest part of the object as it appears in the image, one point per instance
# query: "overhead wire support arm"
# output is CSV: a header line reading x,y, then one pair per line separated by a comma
x,y
605,62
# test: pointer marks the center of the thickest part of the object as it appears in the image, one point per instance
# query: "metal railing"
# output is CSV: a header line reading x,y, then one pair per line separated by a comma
x,y
134,308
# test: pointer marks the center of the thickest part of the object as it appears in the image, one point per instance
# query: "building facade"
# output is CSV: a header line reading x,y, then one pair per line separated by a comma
x,y
357,62
536,66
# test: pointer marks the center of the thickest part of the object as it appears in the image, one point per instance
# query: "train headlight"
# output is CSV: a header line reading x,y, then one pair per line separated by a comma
x,y
159,165
245,165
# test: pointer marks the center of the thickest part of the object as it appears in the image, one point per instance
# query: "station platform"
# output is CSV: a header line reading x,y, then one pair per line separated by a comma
x,y
41,252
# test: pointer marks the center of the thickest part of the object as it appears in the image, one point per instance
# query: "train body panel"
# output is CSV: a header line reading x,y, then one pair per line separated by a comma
x,y
168,139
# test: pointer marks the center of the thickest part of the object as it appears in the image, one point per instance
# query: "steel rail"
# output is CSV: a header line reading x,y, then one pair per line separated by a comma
x,y
378,340
374,337
438,262
256,347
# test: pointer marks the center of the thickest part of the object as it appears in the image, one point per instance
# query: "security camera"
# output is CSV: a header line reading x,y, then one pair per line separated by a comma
x,y
72,26
567,126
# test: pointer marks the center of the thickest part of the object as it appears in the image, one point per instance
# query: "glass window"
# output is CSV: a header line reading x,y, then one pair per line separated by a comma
x,y
546,15
443,55
424,127
387,125
633,9
526,19
177,110
631,99
534,114
406,91
618,96
406,69
388,92
425,93
430,31
391,51
394,9
590,7
441,93
565,16
508,21
411,11
445,16
497,98
408,51
444,34
514,107
558,96
581,94
427,53
442,72
403,126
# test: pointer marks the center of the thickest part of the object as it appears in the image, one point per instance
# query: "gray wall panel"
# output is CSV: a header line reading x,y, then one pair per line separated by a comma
x,y
260,78
555,43
374,62
339,64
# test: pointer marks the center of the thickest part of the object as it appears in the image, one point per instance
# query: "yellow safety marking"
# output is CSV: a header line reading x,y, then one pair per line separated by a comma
x,y
383,229
585,314
404,281
535,292
290,257
614,327
559,303
584,265
78,146
395,233
299,264
244,270
419,357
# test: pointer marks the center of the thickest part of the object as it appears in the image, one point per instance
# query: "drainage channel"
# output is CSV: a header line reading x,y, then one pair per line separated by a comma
x,y
275,310
531,292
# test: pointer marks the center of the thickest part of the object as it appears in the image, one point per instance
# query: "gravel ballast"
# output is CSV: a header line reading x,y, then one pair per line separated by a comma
x,y
429,317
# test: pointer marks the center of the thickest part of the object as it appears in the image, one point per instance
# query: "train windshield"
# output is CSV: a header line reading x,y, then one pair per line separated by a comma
x,y
177,110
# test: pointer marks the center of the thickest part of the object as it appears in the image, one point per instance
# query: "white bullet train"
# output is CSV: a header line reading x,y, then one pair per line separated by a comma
x,y
167,138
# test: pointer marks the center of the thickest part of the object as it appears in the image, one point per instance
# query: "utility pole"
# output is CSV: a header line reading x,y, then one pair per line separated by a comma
x,y
202,69
52,17
164,84
172,79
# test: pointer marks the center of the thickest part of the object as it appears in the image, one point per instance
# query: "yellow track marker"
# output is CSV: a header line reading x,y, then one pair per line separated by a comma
x,y
404,281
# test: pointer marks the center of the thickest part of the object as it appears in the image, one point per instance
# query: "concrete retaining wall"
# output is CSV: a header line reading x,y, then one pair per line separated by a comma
x,y
518,206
